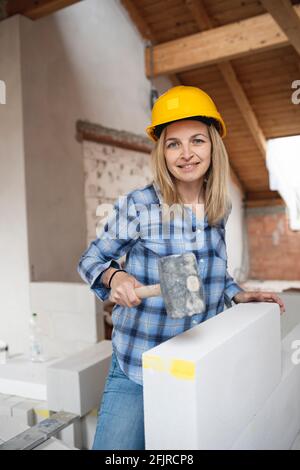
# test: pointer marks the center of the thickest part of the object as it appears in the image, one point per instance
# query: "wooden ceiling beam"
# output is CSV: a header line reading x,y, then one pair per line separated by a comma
x,y
239,39
138,20
265,202
262,195
244,106
200,14
35,9
145,31
287,19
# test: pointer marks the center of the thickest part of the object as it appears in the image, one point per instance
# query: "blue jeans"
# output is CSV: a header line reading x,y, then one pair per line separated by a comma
x,y
120,424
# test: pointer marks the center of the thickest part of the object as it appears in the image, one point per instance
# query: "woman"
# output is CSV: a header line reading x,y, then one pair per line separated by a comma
x,y
190,166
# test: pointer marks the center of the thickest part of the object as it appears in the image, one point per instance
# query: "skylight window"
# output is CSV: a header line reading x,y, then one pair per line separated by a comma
x,y
283,163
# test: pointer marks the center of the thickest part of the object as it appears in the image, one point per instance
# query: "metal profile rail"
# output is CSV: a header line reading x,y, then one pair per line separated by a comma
x,y
40,433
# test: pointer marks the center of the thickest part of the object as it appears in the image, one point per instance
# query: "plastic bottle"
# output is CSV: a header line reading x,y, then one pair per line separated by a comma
x,y
3,352
36,350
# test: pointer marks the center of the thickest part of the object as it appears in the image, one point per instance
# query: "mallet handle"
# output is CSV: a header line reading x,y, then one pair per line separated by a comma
x,y
148,291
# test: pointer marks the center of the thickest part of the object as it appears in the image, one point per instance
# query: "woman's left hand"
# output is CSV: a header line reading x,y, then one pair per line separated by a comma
x,y
259,297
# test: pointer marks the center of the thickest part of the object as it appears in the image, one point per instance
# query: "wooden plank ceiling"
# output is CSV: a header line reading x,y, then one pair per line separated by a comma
x,y
245,54
33,9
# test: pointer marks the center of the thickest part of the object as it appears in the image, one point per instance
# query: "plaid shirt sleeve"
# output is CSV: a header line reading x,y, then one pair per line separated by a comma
x,y
231,287
117,237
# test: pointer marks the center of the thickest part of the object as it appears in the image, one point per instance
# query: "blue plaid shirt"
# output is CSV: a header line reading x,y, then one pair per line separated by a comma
x,y
138,329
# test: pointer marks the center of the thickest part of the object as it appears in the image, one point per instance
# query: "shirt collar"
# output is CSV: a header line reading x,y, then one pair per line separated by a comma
x,y
160,198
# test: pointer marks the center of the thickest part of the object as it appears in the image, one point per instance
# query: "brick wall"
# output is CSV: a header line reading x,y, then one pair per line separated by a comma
x,y
274,249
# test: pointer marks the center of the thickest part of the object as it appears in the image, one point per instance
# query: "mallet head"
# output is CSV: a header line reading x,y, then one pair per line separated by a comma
x,y
181,287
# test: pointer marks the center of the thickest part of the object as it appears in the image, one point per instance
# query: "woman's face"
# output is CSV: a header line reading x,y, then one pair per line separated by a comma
x,y
187,150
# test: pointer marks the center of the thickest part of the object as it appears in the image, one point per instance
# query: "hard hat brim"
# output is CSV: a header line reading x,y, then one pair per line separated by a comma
x,y
154,131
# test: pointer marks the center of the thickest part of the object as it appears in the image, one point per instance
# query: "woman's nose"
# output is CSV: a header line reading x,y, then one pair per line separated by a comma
x,y
186,152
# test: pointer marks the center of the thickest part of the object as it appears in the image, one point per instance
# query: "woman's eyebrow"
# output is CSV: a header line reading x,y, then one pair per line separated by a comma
x,y
192,136
199,133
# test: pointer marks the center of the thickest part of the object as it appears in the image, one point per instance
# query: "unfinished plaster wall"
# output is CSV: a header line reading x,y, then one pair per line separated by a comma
x,y
14,266
273,247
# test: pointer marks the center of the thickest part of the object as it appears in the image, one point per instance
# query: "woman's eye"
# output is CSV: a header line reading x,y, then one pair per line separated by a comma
x,y
198,141
172,145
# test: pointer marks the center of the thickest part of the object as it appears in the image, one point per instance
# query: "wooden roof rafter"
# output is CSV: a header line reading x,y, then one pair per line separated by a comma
x,y
138,20
223,43
287,19
263,198
35,9
145,31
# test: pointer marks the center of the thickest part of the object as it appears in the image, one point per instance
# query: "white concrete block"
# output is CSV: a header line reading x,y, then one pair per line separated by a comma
x,y
88,426
4,396
3,406
75,384
291,317
60,304
72,435
6,405
54,444
21,377
202,387
10,427
24,412
296,443
63,303
277,423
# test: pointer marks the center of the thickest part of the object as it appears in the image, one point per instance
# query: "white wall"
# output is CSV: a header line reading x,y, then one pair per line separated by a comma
x,y
14,265
236,237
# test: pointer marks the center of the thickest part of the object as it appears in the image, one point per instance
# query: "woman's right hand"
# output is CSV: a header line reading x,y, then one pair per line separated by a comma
x,y
123,290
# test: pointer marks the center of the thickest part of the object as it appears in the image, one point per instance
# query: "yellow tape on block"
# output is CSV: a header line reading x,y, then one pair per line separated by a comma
x,y
154,363
183,370
178,368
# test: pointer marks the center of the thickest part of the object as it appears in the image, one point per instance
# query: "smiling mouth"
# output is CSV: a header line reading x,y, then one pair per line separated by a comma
x,y
188,165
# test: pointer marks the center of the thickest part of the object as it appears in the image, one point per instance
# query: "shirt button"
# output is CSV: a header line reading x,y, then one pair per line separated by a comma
x,y
199,229
194,321
201,260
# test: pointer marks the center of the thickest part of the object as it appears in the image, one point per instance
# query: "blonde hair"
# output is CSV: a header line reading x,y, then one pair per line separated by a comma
x,y
216,197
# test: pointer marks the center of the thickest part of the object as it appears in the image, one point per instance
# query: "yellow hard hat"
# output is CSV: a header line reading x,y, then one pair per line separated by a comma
x,y
182,102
